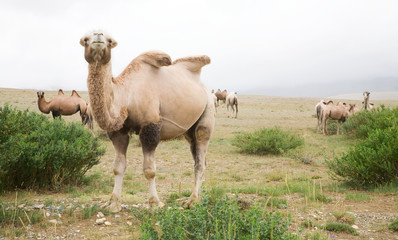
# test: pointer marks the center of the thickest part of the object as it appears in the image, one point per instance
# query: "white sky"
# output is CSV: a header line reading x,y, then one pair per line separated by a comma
x,y
253,45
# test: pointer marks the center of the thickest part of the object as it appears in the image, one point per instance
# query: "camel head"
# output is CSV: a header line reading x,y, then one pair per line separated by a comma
x,y
40,94
366,94
97,47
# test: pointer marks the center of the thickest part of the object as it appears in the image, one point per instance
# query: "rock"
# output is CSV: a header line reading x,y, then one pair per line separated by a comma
x,y
100,221
100,215
355,226
53,221
108,223
38,206
129,223
21,206
117,216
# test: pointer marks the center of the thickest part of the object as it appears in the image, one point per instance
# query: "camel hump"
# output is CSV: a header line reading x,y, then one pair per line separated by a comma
x,y
193,63
155,58
75,93
60,92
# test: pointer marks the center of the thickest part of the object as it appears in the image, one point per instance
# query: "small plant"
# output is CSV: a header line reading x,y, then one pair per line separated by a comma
x,y
344,217
221,220
267,141
394,225
358,197
340,227
89,211
18,217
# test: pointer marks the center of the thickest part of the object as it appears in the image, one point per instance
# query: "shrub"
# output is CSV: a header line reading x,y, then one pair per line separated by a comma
x,y
38,153
221,220
394,225
267,141
374,161
364,122
340,227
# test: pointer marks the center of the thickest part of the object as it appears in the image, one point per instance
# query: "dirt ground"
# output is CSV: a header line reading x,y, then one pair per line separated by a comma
x,y
226,168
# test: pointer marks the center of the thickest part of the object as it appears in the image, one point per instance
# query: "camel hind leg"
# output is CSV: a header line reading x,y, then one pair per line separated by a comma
x,y
120,141
198,137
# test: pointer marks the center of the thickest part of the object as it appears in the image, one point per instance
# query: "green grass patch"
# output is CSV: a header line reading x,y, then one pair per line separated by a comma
x,y
394,225
358,197
340,227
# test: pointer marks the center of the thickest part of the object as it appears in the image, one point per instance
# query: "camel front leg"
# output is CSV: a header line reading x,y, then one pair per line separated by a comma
x,y
150,137
120,143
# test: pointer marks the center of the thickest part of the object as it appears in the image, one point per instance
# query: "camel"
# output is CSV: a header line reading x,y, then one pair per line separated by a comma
x,y
156,99
336,112
88,118
366,100
61,105
319,112
232,101
221,95
352,109
215,100
369,106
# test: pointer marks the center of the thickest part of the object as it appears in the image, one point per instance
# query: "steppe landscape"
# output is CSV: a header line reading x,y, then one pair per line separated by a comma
x,y
290,178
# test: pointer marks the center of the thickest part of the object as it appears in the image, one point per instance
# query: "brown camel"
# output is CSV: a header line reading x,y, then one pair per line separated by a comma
x,y
61,105
338,112
352,109
232,101
87,118
221,95
154,98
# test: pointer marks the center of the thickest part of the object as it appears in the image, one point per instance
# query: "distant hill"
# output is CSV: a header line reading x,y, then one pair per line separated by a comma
x,y
373,96
325,89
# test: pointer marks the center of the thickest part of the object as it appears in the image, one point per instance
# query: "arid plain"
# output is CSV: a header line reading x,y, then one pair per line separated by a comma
x,y
291,178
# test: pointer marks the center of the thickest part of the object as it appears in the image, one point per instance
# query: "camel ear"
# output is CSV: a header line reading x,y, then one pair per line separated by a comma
x,y
83,41
112,42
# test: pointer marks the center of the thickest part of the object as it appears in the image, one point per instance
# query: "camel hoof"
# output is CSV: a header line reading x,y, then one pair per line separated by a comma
x,y
190,203
115,205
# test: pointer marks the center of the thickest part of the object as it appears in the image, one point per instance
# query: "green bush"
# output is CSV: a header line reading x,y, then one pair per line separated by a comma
x,y
340,227
374,161
394,225
267,141
221,220
38,153
364,122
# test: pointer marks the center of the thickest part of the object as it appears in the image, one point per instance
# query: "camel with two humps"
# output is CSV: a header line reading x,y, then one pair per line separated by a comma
x,y
336,112
61,104
155,98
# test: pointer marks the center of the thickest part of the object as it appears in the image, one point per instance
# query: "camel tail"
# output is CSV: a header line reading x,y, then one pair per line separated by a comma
x,y
194,63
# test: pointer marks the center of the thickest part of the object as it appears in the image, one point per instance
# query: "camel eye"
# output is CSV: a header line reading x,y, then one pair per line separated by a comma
x,y
110,41
85,40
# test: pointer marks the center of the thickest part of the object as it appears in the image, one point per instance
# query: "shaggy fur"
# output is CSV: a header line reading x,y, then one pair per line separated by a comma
x,y
62,105
319,112
154,98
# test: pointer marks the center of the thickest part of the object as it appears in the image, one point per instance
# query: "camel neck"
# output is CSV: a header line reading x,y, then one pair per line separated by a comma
x,y
44,106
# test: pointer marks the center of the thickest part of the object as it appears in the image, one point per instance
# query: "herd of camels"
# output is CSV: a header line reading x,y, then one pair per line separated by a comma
x,y
157,99
327,110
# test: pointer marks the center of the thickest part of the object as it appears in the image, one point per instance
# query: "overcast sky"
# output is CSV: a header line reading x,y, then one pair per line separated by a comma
x,y
256,47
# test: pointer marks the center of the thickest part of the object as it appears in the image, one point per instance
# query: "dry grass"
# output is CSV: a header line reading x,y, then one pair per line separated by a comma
x,y
298,177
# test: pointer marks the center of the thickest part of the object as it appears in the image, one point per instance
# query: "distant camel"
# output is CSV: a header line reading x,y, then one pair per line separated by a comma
x,y
366,100
232,101
319,111
338,112
215,100
88,118
221,95
61,105
352,109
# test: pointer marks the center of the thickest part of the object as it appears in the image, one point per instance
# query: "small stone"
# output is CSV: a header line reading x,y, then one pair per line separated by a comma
x,y
108,223
48,214
38,206
355,226
100,221
21,206
53,221
117,216
135,206
100,215
129,223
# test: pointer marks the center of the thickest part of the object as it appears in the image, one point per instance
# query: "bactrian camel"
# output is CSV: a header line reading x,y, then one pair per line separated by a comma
x,y
154,98
88,118
221,95
319,112
62,105
336,112
232,101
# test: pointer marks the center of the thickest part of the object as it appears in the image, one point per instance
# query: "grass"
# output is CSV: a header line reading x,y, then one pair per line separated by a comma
x,y
358,197
297,179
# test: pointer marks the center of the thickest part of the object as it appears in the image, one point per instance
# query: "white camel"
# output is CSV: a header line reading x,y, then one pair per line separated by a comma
x,y
232,101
